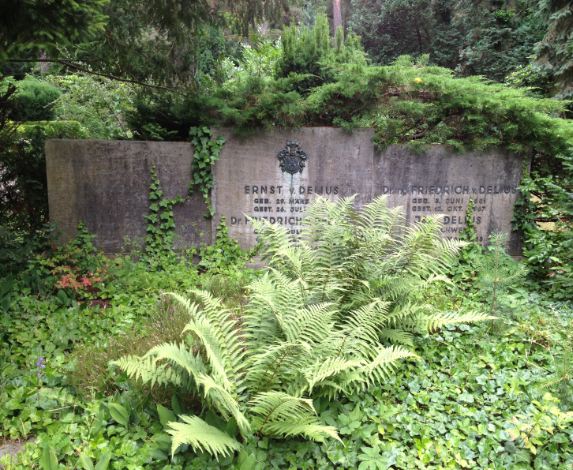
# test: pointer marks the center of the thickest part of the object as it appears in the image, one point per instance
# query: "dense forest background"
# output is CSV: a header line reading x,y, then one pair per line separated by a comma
x,y
176,42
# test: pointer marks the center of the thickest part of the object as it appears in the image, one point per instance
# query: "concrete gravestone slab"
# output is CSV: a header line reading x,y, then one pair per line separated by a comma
x,y
252,180
275,175
249,180
105,184
439,181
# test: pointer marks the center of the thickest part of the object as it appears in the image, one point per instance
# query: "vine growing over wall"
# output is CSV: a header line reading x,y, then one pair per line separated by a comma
x,y
206,152
160,222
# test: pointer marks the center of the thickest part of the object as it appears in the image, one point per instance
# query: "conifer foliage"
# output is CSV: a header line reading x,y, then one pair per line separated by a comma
x,y
334,313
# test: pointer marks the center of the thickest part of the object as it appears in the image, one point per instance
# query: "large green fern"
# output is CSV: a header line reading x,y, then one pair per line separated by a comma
x,y
333,314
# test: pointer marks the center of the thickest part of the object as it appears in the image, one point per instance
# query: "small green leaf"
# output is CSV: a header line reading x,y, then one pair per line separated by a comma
x,y
103,462
165,415
119,413
49,459
85,462
246,461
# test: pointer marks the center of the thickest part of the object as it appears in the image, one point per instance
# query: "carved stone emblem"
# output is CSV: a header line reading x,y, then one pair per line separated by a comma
x,y
292,158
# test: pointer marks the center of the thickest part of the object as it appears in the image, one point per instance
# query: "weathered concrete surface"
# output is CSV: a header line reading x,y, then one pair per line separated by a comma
x,y
11,448
105,184
249,181
439,181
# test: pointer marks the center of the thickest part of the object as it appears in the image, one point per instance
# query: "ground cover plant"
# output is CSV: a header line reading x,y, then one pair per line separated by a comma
x,y
478,396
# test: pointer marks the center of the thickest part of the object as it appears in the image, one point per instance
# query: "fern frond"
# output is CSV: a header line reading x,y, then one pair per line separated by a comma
x,y
327,368
282,415
383,364
376,215
366,321
310,325
275,237
148,371
439,320
309,428
261,328
228,334
178,355
201,437
397,336
223,401
275,364
203,331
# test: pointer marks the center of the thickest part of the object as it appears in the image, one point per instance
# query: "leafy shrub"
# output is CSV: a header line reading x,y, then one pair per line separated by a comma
x,y
497,272
16,248
222,254
99,104
91,372
310,52
75,271
331,316
34,99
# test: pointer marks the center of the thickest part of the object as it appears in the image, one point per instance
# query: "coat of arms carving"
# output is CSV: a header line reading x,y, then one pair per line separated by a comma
x,y
292,158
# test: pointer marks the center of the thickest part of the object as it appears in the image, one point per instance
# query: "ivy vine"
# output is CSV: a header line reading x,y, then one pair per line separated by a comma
x,y
223,253
468,233
160,220
206,152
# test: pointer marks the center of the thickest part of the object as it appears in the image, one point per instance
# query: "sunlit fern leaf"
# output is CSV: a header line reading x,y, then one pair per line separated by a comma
x,y
229,335
275,237
148,371
380,368
279,414
310,324
369,317
327,368
439,320
223,401
178,355
204,333
377,215
310,428
274,364
201,436
260,327
397,337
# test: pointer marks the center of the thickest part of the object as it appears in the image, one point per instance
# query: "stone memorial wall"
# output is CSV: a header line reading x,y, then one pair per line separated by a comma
x,y
105,184
274,175
252,179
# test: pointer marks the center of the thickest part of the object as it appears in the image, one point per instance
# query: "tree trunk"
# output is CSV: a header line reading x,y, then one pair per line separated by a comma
x,y
336,15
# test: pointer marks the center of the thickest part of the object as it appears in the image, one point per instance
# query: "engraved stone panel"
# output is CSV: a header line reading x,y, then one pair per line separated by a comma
x,y
251,182
439,181
251,179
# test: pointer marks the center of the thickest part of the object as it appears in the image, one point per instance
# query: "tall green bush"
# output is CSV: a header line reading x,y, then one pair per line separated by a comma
x,y
99,104
34,99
